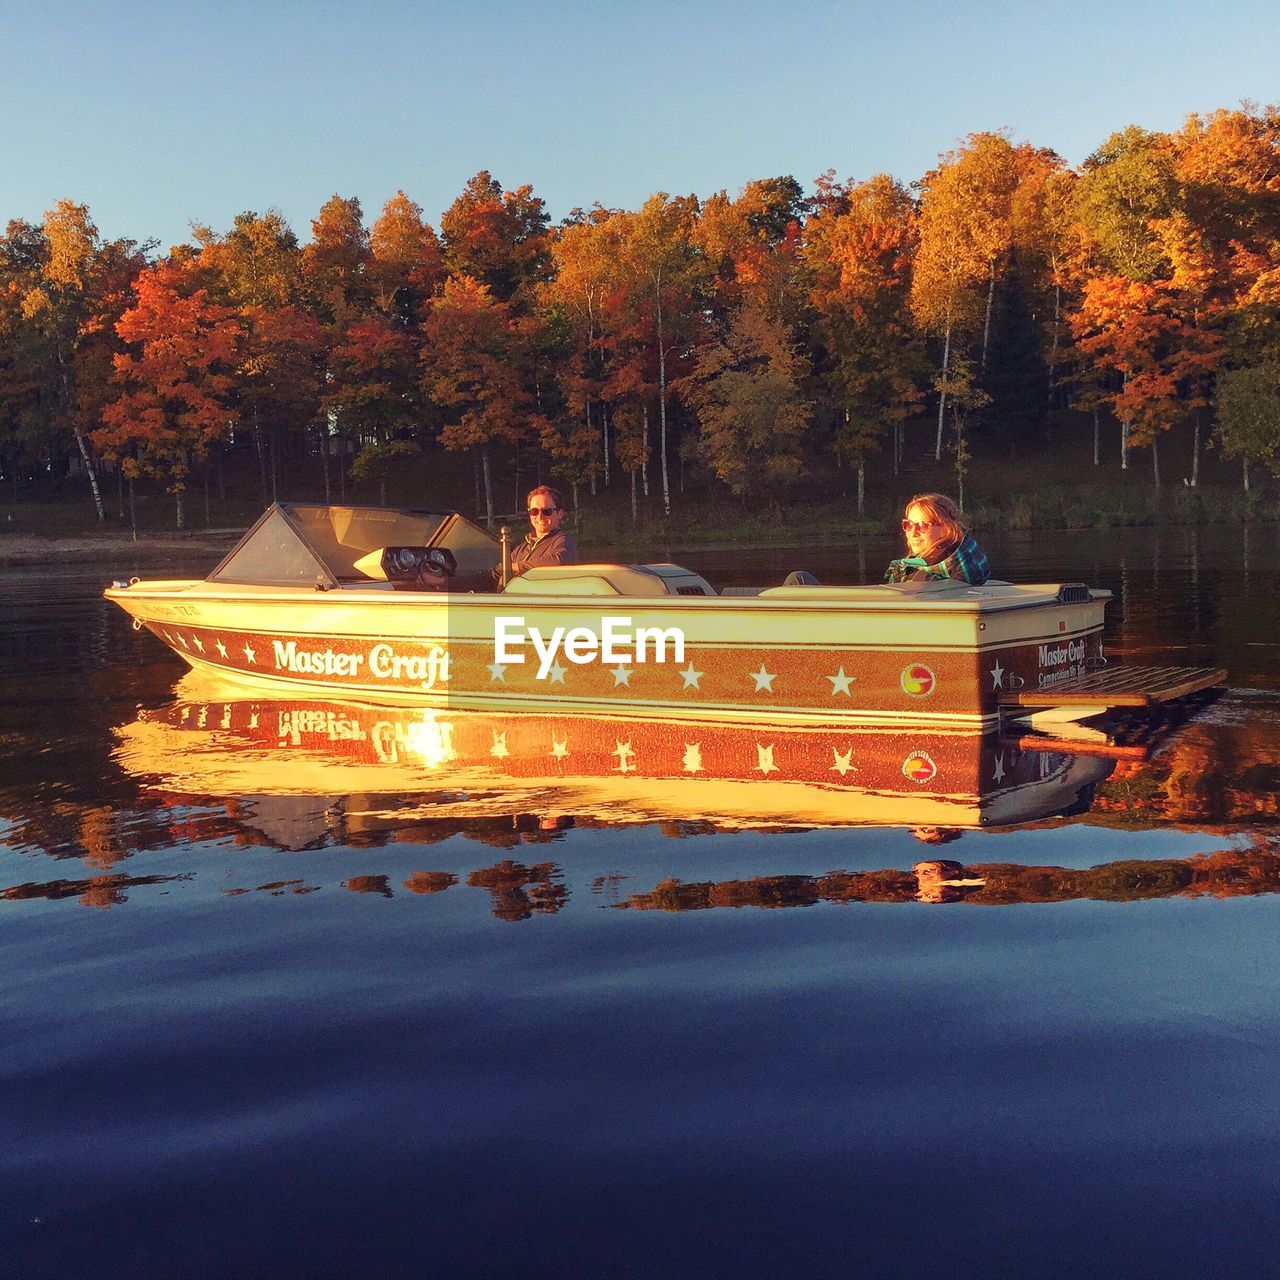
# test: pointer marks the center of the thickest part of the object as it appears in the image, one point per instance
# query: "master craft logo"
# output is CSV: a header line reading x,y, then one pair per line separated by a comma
x,y
917,680
919,766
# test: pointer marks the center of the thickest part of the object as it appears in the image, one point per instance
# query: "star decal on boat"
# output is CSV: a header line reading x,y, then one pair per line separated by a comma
x,y
222,649
557,674
497,672
559,748
997,774
764,679
843,763
499,749
182,640
624,753
840,683
621,675
250,655
692,757
764,759
199,644
997,675
690,675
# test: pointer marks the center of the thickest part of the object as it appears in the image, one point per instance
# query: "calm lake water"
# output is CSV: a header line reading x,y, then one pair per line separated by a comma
x,y
265,1019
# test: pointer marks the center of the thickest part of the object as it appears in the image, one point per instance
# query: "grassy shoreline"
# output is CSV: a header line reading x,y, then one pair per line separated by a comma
x,y
67,529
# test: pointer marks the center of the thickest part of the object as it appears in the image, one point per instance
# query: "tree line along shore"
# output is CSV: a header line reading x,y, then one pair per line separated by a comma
x,y
1058,345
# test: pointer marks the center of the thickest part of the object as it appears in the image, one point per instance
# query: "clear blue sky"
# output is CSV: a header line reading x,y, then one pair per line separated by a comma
x,y
155,114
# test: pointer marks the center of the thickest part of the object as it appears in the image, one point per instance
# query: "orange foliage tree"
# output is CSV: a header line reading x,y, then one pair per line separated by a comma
x,y
175,384
1138,330
470,367
859,250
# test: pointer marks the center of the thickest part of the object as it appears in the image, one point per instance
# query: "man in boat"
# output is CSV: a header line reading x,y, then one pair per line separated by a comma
x,y
547,543
938,543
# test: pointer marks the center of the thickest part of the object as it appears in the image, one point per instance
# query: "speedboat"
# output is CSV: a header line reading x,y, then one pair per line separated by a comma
x,y
349,602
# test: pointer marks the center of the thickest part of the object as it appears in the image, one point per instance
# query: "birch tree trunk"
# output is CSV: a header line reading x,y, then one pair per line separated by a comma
x,y
262,456
324,462
662,415
942,394
89,471
1195,452
81,442
635,511
1053,366
986,323
1155,461
488,486
604,435
1097,440
644,466
1124,432
862,490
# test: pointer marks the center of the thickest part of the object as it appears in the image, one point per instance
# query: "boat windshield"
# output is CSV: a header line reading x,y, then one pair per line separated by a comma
x,y
294,544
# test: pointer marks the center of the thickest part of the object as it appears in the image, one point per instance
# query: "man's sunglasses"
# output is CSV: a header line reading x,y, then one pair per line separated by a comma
x,y
543,511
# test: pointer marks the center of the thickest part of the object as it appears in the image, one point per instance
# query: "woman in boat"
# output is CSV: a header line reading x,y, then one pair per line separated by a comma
x,y
938,544
547,543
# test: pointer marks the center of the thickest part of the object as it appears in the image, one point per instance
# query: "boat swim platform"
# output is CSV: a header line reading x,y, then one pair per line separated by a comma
x,y
1119,687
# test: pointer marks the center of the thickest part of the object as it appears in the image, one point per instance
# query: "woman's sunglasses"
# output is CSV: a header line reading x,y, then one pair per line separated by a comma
x,y
918,526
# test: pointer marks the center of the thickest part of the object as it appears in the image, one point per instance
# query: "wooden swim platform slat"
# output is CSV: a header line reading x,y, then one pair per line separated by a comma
x,y
1119,687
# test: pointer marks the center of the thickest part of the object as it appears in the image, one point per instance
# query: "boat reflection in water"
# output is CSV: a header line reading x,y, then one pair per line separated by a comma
x,y
214,768
214,742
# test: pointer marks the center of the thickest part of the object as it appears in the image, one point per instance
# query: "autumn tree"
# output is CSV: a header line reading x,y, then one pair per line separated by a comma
x,y
256,269
499,238
859,253
750,245
950,266
470,367
24,423
1145,312
71,308
334,264
407,265
752,412
663,275
175,379
585,257
1137,329
1248,414
1047,235
1224,241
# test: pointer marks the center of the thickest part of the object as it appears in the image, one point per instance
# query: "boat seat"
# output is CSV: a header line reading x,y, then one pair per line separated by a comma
x,y
741,591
